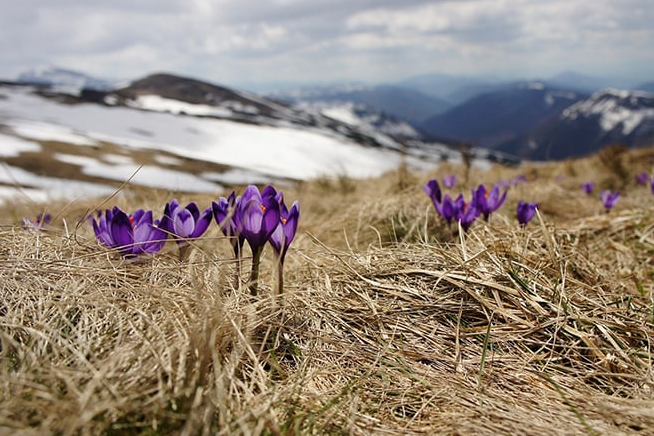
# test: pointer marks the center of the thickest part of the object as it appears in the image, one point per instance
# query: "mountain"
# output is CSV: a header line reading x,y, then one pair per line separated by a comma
x,y
396,101
198,98
363,117
606,117
63,79
184,135
494,118
645,87
451,89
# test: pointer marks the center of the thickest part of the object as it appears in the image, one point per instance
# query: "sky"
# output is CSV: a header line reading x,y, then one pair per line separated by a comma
x,y
259,43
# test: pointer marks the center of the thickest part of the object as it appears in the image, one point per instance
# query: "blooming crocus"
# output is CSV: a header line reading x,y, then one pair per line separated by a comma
x,y
449,181
588,187
433,190
467,213
258,216
642,178
185,223
283,235
132,234
449,208
42,220
526,212
488,202
609,199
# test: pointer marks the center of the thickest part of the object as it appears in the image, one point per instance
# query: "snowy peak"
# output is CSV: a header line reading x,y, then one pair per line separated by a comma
x,y
63,79
615,109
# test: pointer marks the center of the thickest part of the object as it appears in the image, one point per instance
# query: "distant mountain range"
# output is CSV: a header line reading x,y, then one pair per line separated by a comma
x,y
64,79
605,118
401,102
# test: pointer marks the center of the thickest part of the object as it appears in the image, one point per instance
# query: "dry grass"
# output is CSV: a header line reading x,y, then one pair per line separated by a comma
x,y
389,324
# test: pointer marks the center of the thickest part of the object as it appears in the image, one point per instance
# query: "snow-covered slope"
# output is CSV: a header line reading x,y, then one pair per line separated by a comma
x,y
247,152
615,109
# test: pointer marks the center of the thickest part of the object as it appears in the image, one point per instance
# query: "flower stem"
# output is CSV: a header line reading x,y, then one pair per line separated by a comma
x,y
254,275
280,275
239,262
183,251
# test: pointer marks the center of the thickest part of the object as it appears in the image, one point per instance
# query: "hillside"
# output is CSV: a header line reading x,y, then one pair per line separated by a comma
x,y
493,118
605,118
389,323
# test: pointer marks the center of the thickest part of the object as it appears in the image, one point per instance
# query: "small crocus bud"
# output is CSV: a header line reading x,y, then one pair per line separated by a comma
x,y
609,199
588,187
525,212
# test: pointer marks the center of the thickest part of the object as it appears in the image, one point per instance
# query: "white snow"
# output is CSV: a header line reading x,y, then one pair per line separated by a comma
x,y
43,131
13,146
342,113
611,113
279,151
146,175
39,189
162,104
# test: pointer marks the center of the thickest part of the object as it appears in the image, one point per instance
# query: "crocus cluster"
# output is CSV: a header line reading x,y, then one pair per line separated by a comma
x,y
256,217
130,234
482,202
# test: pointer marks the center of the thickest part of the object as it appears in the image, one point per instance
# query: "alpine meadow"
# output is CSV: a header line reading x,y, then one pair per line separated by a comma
x,y
390,320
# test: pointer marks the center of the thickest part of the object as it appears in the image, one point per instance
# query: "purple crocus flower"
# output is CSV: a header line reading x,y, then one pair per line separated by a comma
x,y
467,213
488,202
526,212
224,211
258,217
185,222
588,187
449,181
42,220
642,178
449,208
433,190
609,199
283,235
131,234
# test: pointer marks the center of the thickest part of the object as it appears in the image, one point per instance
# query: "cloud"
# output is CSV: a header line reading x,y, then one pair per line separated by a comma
x,y
253,40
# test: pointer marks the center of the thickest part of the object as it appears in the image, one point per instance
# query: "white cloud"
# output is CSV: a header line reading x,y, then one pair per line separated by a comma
x,y
233,41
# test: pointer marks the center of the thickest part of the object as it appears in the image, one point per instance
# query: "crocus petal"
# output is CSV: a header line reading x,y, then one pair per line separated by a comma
x,y
121,230
183,223
433,190
202,223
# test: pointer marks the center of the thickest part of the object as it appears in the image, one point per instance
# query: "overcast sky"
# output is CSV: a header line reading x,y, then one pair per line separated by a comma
x,y
243,42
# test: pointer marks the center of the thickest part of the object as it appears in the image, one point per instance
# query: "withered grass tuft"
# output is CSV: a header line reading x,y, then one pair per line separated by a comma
x,y
390,322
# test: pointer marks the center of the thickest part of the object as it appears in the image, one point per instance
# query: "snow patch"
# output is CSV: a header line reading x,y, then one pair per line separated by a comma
x,y
13,146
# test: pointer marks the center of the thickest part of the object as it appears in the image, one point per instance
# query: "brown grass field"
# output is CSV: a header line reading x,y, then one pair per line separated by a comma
x,y
390,324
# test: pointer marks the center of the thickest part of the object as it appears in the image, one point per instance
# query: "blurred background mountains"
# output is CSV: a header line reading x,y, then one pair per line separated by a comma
x,y
567,115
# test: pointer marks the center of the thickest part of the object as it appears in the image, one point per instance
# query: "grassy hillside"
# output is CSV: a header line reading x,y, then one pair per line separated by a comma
x,y
390,323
